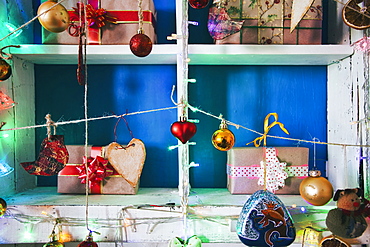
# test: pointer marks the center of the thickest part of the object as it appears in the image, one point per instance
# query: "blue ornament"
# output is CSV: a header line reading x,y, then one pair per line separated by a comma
x,y
265,221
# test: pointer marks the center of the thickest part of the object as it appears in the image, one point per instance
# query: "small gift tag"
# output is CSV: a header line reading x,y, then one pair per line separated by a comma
x,y
128,160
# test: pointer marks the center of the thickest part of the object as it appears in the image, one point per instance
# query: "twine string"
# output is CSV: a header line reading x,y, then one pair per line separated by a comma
x,y
140,14
50,123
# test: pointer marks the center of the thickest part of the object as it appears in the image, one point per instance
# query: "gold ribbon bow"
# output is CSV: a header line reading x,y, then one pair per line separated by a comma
x,y
267,127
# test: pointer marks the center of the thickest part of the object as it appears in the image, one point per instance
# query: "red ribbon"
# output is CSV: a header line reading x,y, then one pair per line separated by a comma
x,y
96,18
98,169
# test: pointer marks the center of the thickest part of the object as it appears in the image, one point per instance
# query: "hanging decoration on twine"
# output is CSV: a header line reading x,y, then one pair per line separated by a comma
x,y
5,101
140,44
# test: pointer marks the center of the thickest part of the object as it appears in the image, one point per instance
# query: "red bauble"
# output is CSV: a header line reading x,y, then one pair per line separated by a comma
x,y
88,242
198,4
183,130
141,45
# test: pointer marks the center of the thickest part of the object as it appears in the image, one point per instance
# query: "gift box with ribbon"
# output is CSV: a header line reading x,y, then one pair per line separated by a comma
x,y
263,22
284,169
277,169
109,22
103,178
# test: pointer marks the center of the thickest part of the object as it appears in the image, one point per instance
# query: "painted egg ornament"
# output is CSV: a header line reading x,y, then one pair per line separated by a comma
x,y
316,190
5,70
3,207
198,4
56,19
183,130
223,139
265,221
141,45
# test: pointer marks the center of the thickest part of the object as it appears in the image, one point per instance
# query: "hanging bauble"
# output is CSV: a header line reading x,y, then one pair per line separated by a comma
x,y
140,44
88,242
2,207
5,101
54,242
56,19
316,190
198,4
223,139
5,70
183,130
265,221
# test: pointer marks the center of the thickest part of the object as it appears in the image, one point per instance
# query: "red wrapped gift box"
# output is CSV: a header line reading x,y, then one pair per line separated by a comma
x,y
124,12
71,177
270,23
243,169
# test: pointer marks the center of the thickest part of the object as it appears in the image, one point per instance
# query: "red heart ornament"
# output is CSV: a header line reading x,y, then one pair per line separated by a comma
x,y
183,130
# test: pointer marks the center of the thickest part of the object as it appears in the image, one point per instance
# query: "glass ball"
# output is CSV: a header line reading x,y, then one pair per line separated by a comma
x,y
316,190
223,139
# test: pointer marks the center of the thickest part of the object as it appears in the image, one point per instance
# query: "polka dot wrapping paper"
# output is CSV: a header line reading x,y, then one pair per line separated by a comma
x,y
245,174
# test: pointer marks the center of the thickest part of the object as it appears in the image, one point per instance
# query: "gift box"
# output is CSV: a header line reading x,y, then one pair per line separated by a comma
x,y
268,22
244,169
105,180
111,23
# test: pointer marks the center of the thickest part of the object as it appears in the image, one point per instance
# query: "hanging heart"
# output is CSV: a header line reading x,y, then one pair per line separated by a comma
x,y
128,160
265,221
183,130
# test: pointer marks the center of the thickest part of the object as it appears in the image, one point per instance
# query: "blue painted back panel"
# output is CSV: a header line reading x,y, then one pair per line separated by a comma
x,y
243,94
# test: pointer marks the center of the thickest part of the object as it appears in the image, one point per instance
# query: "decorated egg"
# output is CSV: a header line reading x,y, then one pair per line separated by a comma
x,y
265,221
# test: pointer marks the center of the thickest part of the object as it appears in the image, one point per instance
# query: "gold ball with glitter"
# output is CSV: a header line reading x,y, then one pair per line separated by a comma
x,y
5,70
3,207
55,19
223,139
316,190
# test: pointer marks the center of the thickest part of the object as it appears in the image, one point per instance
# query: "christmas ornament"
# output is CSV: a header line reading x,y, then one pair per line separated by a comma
x,y
183,130
5,101
55,19
198,4
54,242
52,158
88,242
315,189
5,169
193,241
5,70
264,221
2,207
220,25
128,160
299,9
141,45
223,139
355,14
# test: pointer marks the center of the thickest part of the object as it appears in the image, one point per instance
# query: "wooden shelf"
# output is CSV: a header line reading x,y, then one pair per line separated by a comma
x,y
198,54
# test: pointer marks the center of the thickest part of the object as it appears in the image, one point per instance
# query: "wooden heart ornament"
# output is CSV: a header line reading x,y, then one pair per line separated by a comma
x,y
128,160
183,130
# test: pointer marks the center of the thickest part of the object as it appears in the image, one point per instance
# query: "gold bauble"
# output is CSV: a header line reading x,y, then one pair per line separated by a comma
x,y
54,244
55,20
316,190
223,139
3,207
5,70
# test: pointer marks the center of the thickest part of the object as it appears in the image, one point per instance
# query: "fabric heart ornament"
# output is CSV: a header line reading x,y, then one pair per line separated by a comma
x,y
128,160
265,221
183,130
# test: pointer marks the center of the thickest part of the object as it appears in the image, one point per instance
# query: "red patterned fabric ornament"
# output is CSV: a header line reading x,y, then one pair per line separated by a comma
x,y
52,158
98,169
5,101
